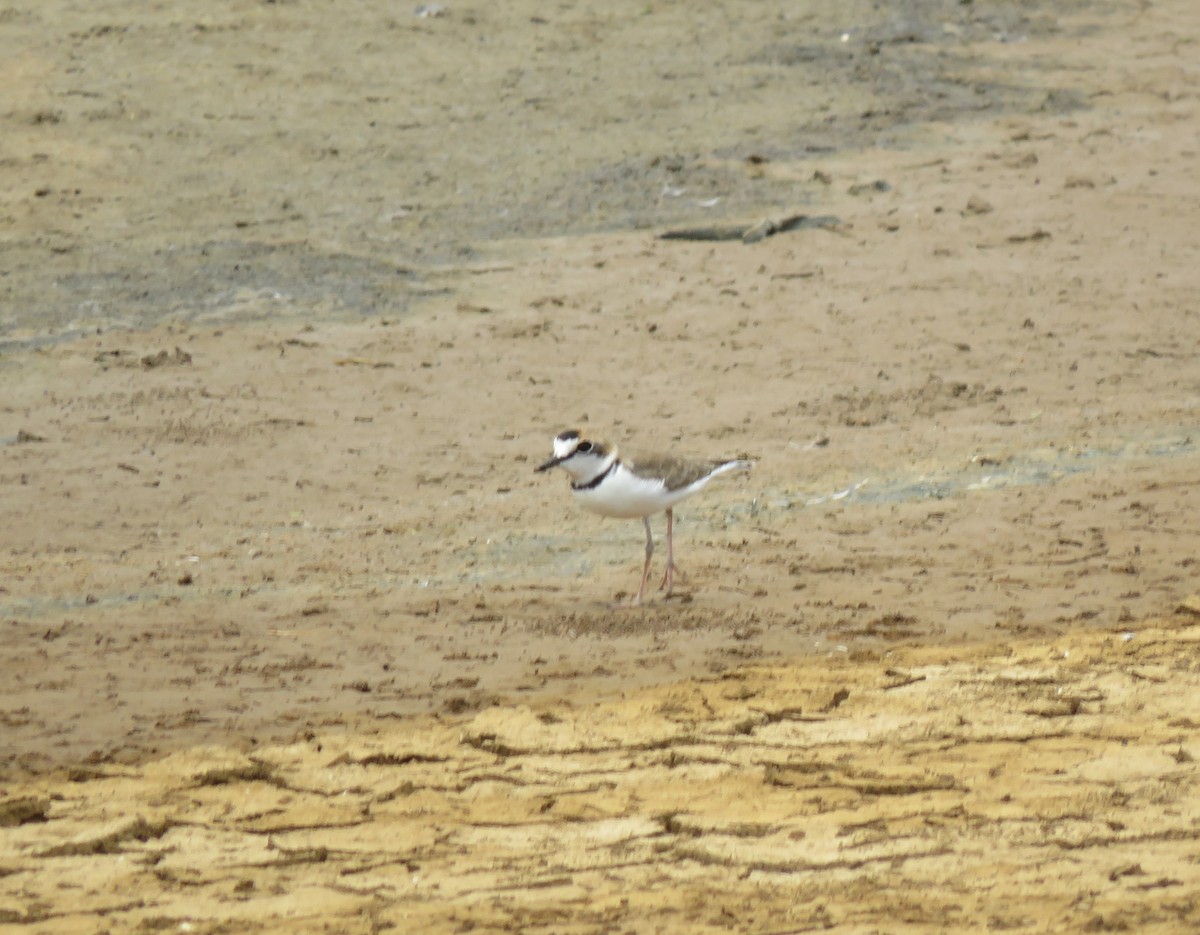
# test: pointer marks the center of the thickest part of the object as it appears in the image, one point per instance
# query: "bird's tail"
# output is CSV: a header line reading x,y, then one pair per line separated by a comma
x,y
739,464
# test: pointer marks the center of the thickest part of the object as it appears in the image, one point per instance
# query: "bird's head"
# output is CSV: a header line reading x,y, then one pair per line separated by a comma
x,y
580,457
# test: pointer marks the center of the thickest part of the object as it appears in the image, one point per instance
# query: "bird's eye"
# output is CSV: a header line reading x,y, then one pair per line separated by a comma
x,y
584,447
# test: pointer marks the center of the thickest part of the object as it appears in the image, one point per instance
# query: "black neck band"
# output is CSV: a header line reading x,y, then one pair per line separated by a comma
x,y
595,481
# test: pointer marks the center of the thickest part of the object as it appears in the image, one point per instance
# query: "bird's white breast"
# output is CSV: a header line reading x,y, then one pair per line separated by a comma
x,y
624,495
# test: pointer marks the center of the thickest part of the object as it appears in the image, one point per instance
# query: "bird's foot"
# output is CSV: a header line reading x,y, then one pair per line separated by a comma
x,y
668,581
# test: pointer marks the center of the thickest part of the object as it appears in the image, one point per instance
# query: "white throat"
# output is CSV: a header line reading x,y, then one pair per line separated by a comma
x,y
584,468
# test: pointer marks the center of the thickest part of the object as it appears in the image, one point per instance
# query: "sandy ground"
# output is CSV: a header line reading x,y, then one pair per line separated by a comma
x,y
296,640
1045,786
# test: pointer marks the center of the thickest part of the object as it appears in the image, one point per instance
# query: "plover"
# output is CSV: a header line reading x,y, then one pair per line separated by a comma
x,y
627,488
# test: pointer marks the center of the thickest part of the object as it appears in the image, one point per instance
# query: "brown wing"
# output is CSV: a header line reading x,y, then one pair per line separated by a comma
x,y
675,472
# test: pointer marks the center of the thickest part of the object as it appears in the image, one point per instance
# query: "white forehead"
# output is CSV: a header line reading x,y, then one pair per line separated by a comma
x,y
564,446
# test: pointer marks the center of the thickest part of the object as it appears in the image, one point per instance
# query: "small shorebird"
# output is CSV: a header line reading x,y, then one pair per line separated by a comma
x,y
607,484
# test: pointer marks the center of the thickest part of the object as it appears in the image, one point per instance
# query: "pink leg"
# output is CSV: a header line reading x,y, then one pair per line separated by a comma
x,y
668,581
646,567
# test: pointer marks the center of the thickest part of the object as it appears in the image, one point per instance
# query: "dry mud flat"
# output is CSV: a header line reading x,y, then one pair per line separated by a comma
x,y
293,640
1048,786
